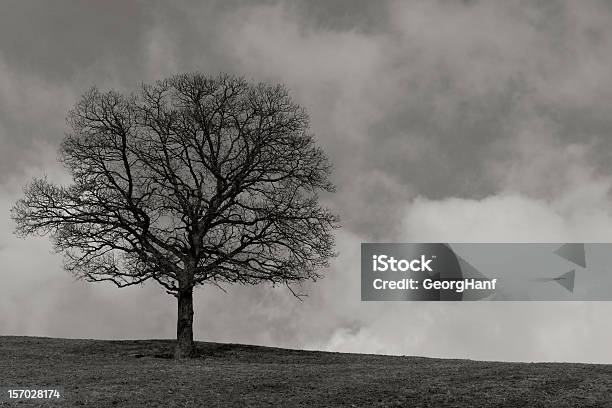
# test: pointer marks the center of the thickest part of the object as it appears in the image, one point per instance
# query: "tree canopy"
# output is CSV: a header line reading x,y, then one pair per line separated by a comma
x,y
194,179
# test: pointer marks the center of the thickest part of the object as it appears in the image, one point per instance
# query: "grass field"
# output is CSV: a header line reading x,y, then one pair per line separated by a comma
x,y
97,373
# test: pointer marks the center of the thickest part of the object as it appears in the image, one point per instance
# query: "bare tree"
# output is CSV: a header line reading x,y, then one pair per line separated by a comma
x,y
192,180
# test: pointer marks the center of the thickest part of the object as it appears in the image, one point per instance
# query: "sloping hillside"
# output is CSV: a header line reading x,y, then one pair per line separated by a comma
x,y
98,373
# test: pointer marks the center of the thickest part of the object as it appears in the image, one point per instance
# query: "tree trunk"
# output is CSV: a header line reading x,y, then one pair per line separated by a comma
x,y
184,325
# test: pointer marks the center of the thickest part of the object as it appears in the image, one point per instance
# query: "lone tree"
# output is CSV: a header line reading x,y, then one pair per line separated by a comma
x,y
193,180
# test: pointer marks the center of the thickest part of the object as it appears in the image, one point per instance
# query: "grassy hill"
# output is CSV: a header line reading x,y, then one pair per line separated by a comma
x,y
97,373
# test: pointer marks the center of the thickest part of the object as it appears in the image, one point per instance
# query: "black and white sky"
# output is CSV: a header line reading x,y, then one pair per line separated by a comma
x,y
449,121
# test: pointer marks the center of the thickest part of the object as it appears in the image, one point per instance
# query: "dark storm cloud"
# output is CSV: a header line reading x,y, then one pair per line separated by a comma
x,y
61,38
362,15
445,81
49,53
445,121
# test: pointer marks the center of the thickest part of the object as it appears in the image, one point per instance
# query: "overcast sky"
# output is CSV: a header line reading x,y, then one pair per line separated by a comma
x,y
446,122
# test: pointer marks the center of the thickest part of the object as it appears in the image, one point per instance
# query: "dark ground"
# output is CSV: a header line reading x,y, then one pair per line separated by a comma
x,y
97,373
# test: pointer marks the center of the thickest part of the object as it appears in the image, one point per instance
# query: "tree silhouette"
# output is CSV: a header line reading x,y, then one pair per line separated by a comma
x,y
193,180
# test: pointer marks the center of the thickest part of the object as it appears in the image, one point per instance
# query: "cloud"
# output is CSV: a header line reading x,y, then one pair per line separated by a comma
x,y
573,331
516,331
466,121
